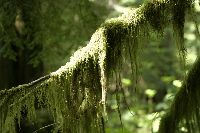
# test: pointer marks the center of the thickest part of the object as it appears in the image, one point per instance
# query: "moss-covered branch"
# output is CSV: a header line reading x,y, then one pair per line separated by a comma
x,y
186,104
25,86
77,91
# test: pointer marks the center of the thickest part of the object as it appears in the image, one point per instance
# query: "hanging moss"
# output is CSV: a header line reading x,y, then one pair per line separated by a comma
x,y
77,91
185,105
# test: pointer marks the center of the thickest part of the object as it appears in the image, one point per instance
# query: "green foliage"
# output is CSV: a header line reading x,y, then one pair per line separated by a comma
x,y
47,25
126,81
150,93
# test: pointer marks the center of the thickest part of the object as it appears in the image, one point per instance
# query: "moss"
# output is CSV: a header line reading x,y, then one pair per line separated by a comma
x,y
77,91
185,105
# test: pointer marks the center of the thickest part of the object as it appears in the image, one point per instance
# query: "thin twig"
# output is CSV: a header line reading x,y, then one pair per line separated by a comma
x,y
27,85
46,126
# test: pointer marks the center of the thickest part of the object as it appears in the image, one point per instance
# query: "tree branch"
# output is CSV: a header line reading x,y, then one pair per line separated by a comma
x,y
79,88
25,86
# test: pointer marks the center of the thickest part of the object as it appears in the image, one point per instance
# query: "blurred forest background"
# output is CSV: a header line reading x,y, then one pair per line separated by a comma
x,y
37,37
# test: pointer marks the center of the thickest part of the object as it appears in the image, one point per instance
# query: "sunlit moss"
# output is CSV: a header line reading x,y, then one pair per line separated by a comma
x,y
77,91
